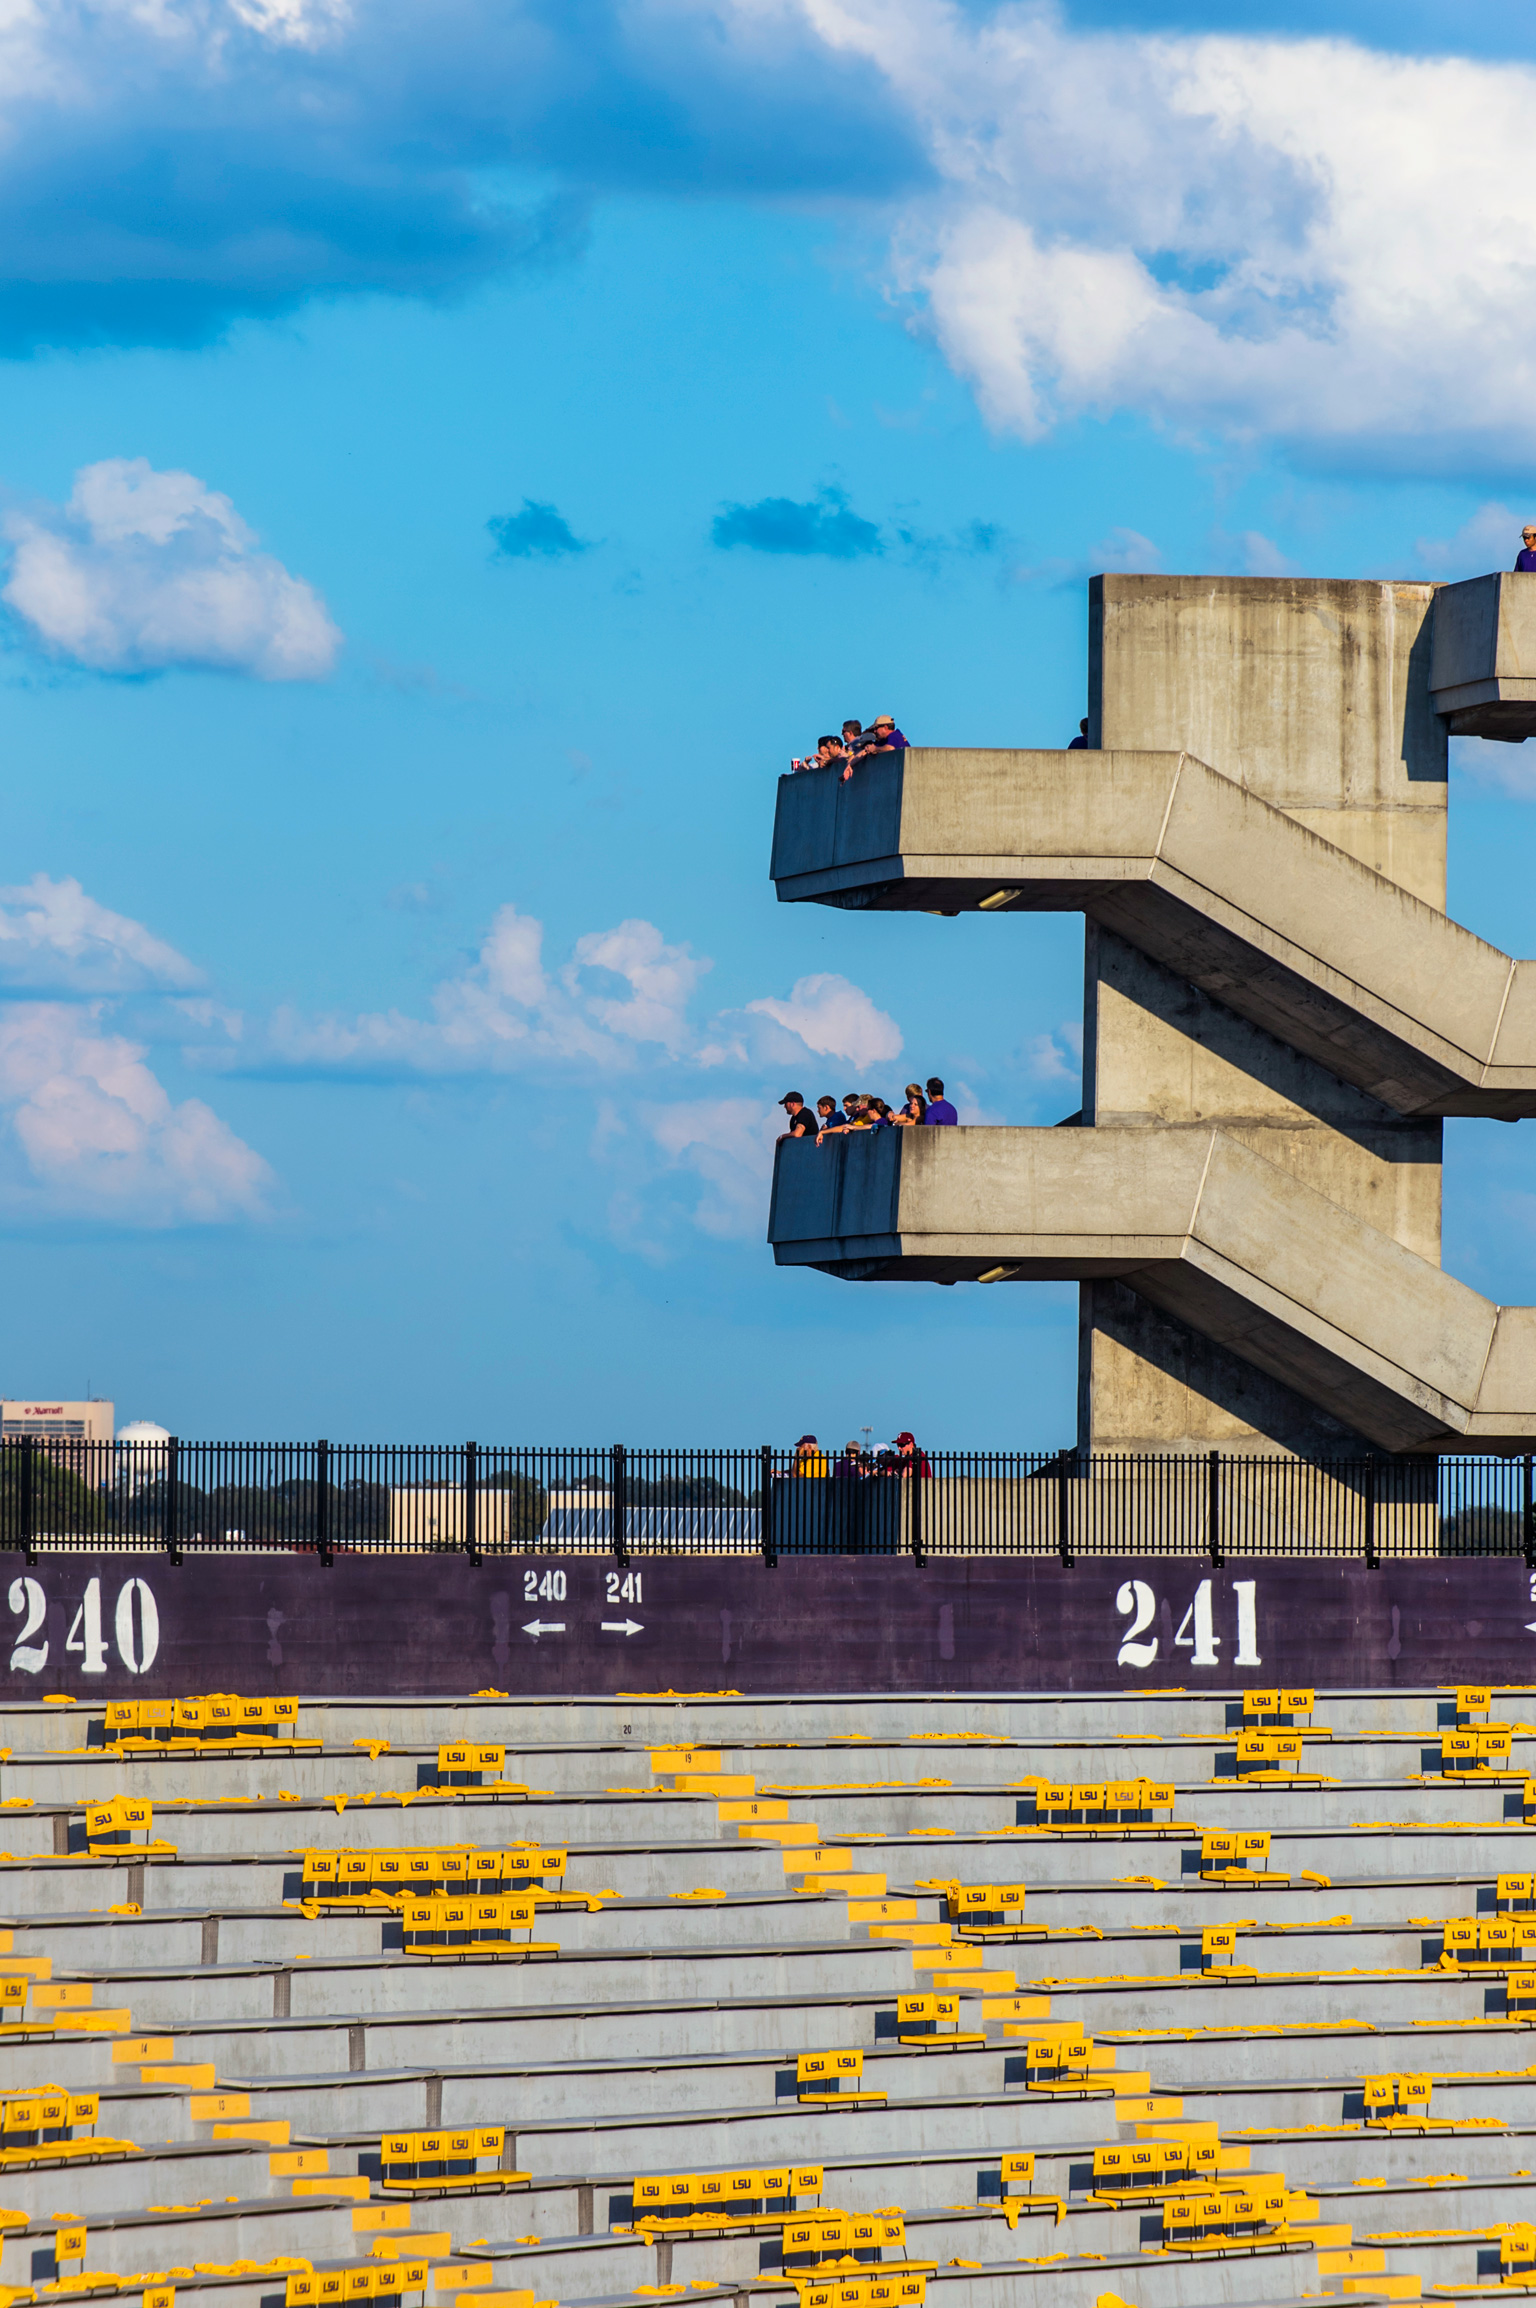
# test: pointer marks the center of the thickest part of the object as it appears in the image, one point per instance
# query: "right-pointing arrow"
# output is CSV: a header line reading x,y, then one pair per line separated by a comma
x,y
621,1627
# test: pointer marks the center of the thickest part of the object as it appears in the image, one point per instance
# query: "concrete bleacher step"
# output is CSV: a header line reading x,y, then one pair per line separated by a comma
x,y
662,2036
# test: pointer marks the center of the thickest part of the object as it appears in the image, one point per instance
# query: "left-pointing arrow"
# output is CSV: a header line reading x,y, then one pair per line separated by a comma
x,y
622,1627
538,1627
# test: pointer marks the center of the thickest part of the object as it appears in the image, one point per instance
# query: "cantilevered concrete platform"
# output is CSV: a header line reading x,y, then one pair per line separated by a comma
x,y
1201,1226
1195,871
1277,1015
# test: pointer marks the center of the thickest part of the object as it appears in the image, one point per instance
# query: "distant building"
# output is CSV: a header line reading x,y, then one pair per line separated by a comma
x,y
73,1422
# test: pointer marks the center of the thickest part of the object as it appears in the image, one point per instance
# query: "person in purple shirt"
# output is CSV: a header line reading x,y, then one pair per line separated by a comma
x,y
939,1107
1525,559
882,736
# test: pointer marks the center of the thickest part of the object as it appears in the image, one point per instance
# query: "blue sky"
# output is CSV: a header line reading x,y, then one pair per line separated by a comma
x,y
451,460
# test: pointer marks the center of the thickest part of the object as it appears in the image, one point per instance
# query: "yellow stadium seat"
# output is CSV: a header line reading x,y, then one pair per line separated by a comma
x,y
449,2157
1099,1805
932,2023
1236,1856
1481,1752
832,2076
1218,1944
985,1910
40,2127
760,2197
122,1824
449,1928
1272,1755
1277,1708
1397,2101
469,1763
1517,2249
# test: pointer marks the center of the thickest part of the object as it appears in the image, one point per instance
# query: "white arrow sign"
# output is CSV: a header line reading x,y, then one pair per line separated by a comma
x,y
621,1627
538,1627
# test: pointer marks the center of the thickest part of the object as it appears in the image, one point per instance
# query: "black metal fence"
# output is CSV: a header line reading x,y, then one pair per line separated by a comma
x,y
479,1499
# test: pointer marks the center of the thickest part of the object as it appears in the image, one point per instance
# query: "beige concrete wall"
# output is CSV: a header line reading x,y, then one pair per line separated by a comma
x,y
1316,697
1159,1054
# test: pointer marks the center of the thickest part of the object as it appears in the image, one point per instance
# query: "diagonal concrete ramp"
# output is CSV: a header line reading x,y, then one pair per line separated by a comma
x,y
1205,1228
1184,863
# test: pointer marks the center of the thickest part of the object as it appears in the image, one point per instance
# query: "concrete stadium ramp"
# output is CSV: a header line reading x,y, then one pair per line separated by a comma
x,y
1237,897
1203,1227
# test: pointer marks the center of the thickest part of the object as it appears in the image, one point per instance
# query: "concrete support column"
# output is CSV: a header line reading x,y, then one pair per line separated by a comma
x,y
1313,695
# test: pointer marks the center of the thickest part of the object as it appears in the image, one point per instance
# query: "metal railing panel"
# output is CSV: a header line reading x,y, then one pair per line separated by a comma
x,y
480,1500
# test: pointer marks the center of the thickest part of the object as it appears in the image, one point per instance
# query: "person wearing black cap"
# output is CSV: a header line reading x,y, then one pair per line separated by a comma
x,y
802,1124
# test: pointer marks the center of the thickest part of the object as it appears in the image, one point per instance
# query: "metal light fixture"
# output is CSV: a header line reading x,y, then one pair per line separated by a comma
x,y
998,898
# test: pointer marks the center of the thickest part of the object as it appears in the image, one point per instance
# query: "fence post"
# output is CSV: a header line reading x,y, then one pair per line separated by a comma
x,y
618,1505
1372,1559
1064,1464
471,1501
916,1481
765,1507
1213,1510
323,1502
171,1501
1528,1513
28,1526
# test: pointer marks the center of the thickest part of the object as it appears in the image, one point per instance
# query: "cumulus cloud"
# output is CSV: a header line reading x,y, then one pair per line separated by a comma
x,y
143,570
834,1018
53,935
1490,539
624,996
1050,1059
168,165
537,532
1299,237
621,989
825,525
728,1144
88,1130
660,979
1305,238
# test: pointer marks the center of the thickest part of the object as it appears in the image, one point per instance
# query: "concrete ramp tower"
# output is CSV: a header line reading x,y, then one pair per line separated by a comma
x,y
1277,1016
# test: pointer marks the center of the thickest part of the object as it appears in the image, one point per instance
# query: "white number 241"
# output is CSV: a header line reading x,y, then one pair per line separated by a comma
x,y
1197,1634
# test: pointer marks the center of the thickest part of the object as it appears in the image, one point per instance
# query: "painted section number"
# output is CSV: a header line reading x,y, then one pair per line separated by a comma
x,y
1196,1633
135,1628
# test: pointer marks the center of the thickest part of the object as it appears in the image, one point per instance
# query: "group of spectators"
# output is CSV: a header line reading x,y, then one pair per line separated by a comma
x,y
856,744
860,1111
901,1457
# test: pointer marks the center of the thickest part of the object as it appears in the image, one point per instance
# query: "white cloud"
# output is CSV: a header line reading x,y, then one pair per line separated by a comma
x,y
505,1011
835,1019
1261,556
1051,1058
1489,540
1509,769
52,934
1301,237
86,1129
502,1011
1126,549
142,570
728,1143
660,978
